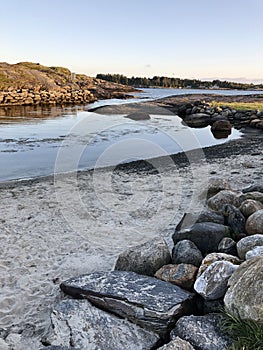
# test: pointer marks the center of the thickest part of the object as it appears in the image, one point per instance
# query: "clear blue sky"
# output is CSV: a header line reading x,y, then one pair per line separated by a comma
x,y
182,38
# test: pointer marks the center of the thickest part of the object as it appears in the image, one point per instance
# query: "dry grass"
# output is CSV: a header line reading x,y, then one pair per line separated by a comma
x,y
239,106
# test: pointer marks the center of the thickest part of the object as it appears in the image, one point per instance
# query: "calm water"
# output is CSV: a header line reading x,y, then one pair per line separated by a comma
x,y
32,138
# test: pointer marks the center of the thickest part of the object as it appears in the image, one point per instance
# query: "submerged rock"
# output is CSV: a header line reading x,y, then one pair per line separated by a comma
x,y
79,324
146,258
202,332
138,116
244,296
146,301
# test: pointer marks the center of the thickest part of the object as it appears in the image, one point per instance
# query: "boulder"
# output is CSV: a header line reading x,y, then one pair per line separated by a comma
x,y
197,120
227,246
212,284
249,207
248,243
221,125
207,216
222,198
146,301
255,252
213,257
177,344
79,324
221,134
186,252
235,220
254,224
146,258
244,296
215,185
183,275
202,332
253,188
205,235
256,196
138,116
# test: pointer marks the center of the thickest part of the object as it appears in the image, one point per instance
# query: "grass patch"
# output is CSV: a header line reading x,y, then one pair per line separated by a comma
x,y
246,334
239,106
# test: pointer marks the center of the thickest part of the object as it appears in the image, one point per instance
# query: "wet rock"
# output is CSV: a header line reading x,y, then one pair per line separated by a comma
x,y
186,252
254,224
255,252
177,344
138,116
222,198
207,216
145,259
227,246
234,219
202,332
197,120
245,293
213,257
183,275
253,188
79,324
221,125
146,301
212,284
205,235
249,207
248,243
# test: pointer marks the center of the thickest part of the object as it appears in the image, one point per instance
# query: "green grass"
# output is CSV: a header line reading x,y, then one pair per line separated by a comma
x,y
246,334
239,106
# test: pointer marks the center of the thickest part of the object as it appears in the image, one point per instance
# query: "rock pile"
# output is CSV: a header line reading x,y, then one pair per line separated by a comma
x,y
154,299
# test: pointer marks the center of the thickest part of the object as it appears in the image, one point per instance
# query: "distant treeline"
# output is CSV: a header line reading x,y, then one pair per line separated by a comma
x,y
175,82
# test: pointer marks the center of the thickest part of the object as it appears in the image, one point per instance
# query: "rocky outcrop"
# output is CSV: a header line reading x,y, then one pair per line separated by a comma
x,y
244,296
146,301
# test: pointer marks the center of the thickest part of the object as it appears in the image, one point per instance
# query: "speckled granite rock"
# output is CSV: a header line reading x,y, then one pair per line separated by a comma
x,y
177,344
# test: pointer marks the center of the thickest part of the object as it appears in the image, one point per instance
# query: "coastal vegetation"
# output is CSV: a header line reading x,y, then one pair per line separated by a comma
x,y
168,82
239,106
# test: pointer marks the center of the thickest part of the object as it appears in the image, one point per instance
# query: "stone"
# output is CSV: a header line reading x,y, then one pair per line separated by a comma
x,y
186,252
249,207
183,275
145,259
207,216
248,243
212,284
234,219
255,252
202,332
254,224
244,296
221,134
256,196
197,120
146,301
213,257
54,347
79,324
215,185
138,116
221,125
253,188
177,344
205,235
227,246
222,198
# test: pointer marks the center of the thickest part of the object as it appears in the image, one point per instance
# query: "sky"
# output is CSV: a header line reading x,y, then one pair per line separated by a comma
x,y
202,39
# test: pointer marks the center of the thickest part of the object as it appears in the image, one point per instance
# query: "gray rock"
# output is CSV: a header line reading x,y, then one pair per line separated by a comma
x,y
212,284
79,324
253,188
255,252
205,235
186,252
234,219
244,296
202,332
215,185
197,120
227,246
221,125
54,347
207,216
177,344
222,198
138,116
145,259
249,207
256,196
254,224
146,301
183,275
248,243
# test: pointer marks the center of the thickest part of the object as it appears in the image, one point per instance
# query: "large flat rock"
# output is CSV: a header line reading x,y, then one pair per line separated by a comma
x,y
146,301
78,324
